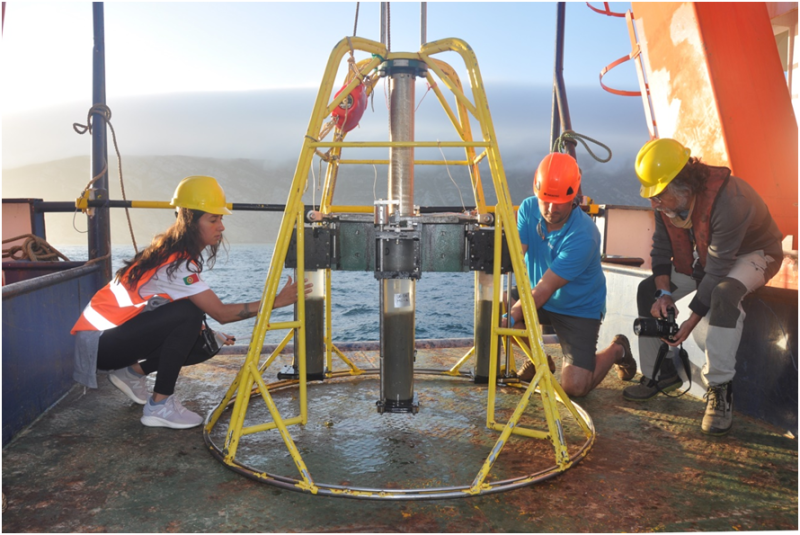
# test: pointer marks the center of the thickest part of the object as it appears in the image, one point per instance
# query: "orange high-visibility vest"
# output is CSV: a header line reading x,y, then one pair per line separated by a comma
x,y
114,304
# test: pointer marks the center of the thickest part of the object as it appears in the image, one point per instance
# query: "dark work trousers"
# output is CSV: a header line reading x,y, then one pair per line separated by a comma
x,y
162,340
719,332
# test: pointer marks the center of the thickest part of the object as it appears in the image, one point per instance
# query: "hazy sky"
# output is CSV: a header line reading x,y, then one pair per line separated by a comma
x,y
253,69
237,80
154,47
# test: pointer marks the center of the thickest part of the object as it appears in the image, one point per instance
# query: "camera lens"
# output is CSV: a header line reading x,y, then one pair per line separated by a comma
x,y
646,327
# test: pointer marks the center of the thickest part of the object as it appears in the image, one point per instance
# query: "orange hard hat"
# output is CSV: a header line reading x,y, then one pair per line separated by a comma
x,y
557,179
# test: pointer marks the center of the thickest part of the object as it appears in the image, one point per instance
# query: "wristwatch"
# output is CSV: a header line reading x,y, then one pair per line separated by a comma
x,y
662,293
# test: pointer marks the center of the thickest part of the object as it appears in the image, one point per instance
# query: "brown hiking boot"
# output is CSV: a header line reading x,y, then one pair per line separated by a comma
x,y
626,368
528,370
645,390
718,418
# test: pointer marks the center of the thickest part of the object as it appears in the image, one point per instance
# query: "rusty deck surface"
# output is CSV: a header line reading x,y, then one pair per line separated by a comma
x,y
89,465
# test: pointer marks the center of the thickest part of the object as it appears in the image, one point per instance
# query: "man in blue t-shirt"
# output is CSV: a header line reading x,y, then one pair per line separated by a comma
x,y
561,245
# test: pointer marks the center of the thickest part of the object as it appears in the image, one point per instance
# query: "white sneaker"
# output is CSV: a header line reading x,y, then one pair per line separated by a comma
x,y
132,385
170,414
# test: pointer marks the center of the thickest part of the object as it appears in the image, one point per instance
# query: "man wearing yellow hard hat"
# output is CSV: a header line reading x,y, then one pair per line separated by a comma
x,y
713,234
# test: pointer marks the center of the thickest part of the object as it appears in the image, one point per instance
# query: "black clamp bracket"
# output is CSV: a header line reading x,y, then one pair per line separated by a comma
x,y
397,253
480,250
407,406
416,67
321,247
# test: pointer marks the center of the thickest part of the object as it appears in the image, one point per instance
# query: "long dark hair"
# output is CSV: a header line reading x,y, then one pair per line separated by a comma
x,y
183,237
692,178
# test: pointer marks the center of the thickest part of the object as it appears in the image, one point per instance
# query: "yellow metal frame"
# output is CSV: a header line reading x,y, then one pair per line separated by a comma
x,y
249,378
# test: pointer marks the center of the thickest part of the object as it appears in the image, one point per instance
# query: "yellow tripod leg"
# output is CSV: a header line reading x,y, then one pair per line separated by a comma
x,y
308,482
274,355
457,366
354,370
476,486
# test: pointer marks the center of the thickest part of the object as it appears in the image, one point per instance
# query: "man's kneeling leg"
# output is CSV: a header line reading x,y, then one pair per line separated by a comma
x,y
576,382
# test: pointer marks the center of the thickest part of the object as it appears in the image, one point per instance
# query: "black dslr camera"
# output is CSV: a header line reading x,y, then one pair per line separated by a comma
x,y
657,327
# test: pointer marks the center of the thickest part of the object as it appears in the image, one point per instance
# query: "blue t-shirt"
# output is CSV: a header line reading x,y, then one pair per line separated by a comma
x,y
571,252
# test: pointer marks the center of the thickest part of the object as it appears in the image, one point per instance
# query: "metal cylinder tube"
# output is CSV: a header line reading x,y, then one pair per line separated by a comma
x,y
314,328
398,295
397,342
401,128
484,289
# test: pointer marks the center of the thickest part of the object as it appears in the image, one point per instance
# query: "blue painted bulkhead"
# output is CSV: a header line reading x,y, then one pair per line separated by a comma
x,y
37,346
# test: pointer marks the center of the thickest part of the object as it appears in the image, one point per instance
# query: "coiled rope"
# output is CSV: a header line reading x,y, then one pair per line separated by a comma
x,y
33,248
560,144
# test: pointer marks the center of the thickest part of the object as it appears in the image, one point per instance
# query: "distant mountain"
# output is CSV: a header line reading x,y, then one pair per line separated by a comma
x,y
250,141
154,178
270,124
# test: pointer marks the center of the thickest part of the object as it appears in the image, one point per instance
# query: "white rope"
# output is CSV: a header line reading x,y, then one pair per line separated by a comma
x,y
463,207
374,184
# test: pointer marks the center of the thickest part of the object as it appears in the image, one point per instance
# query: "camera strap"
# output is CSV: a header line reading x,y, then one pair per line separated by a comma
x,y
687,368
662,351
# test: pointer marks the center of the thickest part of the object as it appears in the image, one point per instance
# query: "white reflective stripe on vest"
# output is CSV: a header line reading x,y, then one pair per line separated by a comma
x,y
122,295
98,321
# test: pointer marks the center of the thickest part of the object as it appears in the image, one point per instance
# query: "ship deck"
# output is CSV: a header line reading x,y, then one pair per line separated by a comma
x,y
88,465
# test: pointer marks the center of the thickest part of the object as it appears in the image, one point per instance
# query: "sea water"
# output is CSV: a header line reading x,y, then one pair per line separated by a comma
x,y
444,306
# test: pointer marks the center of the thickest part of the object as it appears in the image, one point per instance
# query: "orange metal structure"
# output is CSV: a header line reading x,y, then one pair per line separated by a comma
x,y
717,84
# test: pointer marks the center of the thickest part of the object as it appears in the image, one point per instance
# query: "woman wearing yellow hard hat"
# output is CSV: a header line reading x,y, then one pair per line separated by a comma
x,y
150,317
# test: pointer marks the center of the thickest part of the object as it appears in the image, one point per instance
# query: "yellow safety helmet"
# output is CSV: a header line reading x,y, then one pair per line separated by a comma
x,y
200,193
658,162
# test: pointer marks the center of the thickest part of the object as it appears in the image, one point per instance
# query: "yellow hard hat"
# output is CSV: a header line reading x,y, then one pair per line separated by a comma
x,y
658,162
200,193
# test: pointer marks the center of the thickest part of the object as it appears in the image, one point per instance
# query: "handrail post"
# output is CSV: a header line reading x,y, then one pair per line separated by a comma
x,y
559,89
99,224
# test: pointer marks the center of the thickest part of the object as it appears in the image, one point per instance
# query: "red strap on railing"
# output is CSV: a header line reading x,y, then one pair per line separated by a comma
x,y
620,92
606,11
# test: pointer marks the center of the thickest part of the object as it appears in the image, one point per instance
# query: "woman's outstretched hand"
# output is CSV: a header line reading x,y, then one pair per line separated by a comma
x,y
288,294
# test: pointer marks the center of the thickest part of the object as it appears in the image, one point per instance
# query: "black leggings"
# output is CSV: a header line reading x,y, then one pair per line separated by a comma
x,y
162,340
